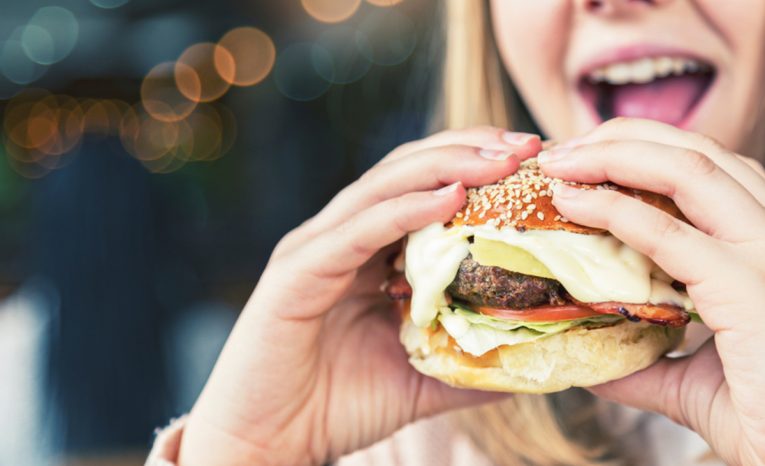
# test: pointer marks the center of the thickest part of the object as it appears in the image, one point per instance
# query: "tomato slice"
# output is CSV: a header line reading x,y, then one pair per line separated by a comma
x,y
540,314
658,314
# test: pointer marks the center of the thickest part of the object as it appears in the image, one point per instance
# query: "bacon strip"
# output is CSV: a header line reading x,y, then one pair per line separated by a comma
x,y
397,288
658,314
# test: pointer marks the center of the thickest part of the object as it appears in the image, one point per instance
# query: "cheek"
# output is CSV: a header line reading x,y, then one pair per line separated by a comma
x,y
742,25
530,34
532,38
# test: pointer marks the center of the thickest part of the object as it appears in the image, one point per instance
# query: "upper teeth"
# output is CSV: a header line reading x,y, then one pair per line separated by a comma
x,y
644,70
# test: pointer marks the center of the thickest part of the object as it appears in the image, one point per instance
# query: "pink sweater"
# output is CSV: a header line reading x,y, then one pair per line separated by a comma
x,y
436,441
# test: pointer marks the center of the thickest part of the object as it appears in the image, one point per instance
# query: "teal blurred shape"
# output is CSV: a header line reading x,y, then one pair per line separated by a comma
x,y
50,35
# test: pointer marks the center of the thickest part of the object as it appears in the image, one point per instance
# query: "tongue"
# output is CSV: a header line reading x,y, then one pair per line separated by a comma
x,y
667,99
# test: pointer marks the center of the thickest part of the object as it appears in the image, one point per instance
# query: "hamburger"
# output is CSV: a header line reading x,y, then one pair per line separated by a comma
x,y
512,296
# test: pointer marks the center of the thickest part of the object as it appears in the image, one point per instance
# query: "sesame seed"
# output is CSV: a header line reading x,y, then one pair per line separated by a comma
x,y
540,216
509,200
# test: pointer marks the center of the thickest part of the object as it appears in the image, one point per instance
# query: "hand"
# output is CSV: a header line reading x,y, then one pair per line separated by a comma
x,y
719,391
313,368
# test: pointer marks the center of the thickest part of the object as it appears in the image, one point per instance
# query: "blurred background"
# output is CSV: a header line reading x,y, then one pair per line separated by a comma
x,y
153,152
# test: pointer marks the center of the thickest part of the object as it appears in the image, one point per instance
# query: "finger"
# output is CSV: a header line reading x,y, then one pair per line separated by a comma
x,y
524,145
686,390
437,397
710,198
754,164
425,170
651,130
322,269
679,249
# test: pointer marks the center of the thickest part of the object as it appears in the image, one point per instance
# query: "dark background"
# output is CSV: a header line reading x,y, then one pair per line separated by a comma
x,y
120,284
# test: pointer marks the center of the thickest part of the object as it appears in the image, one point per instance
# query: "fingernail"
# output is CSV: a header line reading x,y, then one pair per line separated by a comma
x,y
494,154
518,138
447,189
552,155
564,191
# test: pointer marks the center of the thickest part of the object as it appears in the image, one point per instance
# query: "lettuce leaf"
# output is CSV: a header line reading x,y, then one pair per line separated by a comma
x,y
542,327
476,333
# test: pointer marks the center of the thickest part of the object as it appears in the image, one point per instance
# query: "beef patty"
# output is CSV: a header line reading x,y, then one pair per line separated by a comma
x,y
497,287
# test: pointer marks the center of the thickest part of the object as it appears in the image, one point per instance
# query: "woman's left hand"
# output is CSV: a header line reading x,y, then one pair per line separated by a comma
x,y
719,391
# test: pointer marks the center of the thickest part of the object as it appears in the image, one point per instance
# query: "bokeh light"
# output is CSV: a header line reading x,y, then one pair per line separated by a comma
x,y
98,116
129,126
331,11
392,37
37,129
204,72
384,3
70,125
297,71
109,4
8,89
348,64
50,35
27,169
16,66
207,129
165,146
155,138
253,53
161,97
23,110
38,44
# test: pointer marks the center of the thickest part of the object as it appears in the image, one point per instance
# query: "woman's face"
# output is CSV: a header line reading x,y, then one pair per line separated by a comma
x,y
697,64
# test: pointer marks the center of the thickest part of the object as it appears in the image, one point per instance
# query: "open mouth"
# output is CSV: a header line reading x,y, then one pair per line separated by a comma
x,y
662,88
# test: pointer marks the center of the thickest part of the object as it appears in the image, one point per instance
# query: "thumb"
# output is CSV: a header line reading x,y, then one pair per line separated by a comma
x,y
436,397
686,390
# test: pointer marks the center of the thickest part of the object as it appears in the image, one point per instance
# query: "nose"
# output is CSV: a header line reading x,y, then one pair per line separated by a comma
x,y
614,7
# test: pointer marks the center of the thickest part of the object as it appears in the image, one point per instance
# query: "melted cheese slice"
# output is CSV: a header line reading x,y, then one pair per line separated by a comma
x,y
592,268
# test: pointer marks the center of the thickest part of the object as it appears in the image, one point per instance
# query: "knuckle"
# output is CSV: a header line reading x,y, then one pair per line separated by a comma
x,y
292,238
405,148
489,131
460,149
616,203
346,227
697,164
663,228
672,402
608,147
709,142
400,217
619,122
453,152
370,174
445,135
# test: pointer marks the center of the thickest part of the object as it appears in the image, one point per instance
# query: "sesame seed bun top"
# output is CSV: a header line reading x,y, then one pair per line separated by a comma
x,y
523,201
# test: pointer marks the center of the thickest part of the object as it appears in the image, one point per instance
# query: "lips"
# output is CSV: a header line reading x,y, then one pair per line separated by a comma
x,y
663,88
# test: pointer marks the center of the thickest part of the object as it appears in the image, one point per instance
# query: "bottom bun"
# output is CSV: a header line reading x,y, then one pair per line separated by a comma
x,y
579,357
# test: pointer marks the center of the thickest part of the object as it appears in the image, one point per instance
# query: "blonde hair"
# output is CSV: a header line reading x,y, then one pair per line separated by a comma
x,y
525,429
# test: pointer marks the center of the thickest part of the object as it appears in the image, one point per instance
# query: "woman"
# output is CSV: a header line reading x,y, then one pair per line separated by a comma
x,y
313,369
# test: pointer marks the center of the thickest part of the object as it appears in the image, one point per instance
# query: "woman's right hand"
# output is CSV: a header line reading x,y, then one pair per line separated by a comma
x,y
313,368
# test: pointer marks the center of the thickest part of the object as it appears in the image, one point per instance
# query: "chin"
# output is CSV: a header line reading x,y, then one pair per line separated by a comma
x,y
511,296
